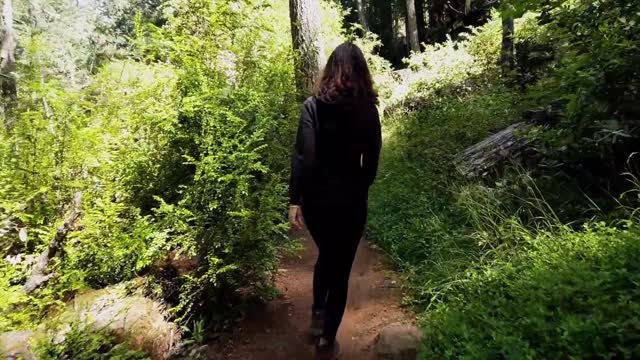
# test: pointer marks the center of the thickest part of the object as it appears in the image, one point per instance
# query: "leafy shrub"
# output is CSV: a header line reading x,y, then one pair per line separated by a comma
x,y
111,247
85,345
596,82
19,310
451,67
235,125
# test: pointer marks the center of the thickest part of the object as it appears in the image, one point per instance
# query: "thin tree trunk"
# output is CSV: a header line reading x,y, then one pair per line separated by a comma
x,y
507,56
362,14
412,27
386,13
8,61
305,31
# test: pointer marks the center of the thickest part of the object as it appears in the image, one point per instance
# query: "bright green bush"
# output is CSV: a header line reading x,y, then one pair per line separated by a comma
x,y
450,68
79,143
182,147
235,117
564,294
111,247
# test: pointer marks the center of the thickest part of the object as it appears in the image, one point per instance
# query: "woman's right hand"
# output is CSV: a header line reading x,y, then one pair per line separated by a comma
x,y
295,217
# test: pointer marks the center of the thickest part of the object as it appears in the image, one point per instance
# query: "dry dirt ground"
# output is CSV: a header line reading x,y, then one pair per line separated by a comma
x,y
277,330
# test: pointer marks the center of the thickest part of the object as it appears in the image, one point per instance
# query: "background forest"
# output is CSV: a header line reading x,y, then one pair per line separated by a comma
x,y
145,145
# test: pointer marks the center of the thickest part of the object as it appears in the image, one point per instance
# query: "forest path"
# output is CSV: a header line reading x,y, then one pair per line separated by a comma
x,y
277,330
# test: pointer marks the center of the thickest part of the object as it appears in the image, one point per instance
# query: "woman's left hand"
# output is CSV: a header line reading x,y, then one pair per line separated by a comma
x,y
295,217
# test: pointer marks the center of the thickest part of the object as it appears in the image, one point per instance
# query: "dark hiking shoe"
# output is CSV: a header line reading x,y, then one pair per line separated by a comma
x,y
327,350
317,324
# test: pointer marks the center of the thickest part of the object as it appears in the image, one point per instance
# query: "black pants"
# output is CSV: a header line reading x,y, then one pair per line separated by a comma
x,y
336,229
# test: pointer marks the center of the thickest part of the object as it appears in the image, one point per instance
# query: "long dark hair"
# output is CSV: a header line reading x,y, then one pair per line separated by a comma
x,y
346,77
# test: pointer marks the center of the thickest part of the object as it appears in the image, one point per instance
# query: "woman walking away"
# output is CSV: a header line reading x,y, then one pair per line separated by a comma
x,y
335,162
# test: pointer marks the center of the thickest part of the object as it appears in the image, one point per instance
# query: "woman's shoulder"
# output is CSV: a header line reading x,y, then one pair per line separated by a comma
x,y
309,105
310,101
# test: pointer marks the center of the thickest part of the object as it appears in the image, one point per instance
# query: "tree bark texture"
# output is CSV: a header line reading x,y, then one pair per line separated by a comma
x,y
507,54
7,52
412,27
487,156
7,61
362,14
305,31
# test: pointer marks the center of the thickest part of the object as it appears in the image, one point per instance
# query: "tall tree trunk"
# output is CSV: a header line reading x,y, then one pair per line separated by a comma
x,y
386,28
507,56
412,27
420,21
305,31
8,62
362,14
437,32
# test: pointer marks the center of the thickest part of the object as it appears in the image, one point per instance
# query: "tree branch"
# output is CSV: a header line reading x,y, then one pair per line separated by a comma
x,y
39,276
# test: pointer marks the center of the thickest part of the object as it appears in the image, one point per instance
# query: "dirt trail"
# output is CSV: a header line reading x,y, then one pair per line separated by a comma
x,y
277,330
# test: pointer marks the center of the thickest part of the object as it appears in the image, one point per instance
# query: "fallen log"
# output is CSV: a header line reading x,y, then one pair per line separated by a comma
x,y
491,153
39,274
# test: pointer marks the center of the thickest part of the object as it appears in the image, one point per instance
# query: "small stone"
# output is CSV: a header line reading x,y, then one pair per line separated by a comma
x,y
397,342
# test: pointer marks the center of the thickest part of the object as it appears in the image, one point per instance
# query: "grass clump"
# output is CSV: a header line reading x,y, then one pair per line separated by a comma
x,y
564,292
413,211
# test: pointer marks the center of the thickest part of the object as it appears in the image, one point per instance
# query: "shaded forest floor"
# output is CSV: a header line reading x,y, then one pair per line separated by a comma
x,y
277,330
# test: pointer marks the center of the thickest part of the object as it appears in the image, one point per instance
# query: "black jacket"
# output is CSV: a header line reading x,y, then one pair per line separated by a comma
x,y
336,153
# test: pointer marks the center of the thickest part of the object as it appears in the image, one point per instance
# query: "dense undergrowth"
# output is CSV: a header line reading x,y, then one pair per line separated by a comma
x,y
535,262
176,131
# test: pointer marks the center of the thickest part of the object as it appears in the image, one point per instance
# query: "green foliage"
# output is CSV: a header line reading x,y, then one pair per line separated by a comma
x,y
412,206
182,148
595,83
449,68
112,246
78,343
235,120
18,310
564,293
490,263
